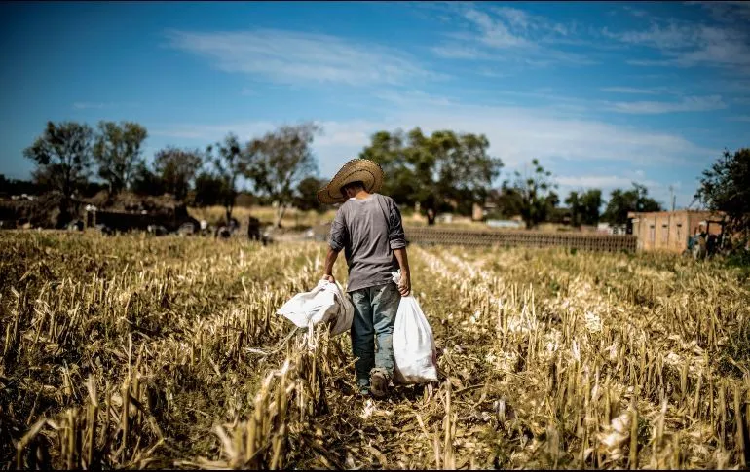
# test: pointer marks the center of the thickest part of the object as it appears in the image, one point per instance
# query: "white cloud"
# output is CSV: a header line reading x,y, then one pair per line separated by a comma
x,y
455,51
650,62
580,105
510,34
486,72
605,182
685,44
732,11
496,33
516,134
631,90
515,17
687,104
301,58
408,97
635,12
553,99
742,118
673,36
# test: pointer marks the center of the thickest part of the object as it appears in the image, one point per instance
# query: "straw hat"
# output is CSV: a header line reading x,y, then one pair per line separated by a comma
x,y
368,172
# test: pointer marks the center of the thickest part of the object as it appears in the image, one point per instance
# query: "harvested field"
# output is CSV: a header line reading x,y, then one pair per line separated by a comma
x,y
135,351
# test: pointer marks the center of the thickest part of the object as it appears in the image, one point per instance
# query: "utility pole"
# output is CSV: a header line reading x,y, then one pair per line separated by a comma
x,y
671,196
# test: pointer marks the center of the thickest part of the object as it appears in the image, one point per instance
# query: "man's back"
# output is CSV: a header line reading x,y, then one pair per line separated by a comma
x,y
368,230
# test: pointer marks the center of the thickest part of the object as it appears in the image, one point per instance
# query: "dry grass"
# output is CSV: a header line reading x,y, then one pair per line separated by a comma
x,y
146,352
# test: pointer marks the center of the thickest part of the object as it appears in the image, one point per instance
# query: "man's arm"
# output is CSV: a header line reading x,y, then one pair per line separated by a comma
x,y
398,244
336,242
330,260
404,284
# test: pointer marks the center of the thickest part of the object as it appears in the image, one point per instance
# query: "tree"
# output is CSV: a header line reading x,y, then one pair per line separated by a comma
x,y
306,197
536,197
117,151
279,160
584,207
552,200
63,157
433,170
209,189
574,205
508,201
231,161
622,202
589,204
177,169
389,150
643,202
91,189
19,187
146,182
725,186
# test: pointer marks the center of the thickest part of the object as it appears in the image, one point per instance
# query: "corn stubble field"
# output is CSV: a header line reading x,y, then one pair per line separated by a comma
x,y
135,351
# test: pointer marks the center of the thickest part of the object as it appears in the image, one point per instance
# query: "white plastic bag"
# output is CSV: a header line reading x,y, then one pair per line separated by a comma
x,y
326,302
413,346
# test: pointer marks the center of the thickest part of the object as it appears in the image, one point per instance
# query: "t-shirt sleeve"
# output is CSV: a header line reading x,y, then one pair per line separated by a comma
x,y
396,236
338,236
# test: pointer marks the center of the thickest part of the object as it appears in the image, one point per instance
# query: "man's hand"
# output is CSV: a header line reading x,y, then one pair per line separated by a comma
x,y
329,278
404,285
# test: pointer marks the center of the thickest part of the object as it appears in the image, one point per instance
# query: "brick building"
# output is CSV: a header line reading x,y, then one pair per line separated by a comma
x,y
670,230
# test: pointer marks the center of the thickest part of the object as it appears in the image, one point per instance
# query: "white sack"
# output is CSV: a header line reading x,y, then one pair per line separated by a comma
x,y
413,346
326,302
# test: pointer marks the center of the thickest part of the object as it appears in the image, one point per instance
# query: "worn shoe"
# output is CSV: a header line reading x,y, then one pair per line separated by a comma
x,y
379,381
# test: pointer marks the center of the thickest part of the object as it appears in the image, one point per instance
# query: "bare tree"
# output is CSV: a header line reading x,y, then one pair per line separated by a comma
x,y
231,161
280,160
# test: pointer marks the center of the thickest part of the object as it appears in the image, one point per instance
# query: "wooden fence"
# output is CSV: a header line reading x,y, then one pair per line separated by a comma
x,y
583,241
519,238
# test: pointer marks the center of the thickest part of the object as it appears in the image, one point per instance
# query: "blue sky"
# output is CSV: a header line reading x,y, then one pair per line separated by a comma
x,y
602,93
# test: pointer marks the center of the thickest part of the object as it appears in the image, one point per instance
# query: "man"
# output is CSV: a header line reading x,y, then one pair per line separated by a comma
x,y
253,228
368,227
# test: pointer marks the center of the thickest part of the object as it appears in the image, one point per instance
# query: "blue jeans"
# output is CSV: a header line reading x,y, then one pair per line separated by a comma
x,y
374,315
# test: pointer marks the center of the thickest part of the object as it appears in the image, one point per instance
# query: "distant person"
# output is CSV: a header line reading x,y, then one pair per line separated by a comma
x,y
253,228
368,227
699,241
233,225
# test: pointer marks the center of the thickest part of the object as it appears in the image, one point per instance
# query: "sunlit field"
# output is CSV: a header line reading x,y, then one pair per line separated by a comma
x,y
138,351
298,219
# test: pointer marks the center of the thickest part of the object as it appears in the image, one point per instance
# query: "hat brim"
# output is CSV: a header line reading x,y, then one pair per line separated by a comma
x,y
363,170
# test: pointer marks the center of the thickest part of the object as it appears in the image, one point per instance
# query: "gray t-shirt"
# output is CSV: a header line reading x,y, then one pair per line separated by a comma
x,y
368,239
